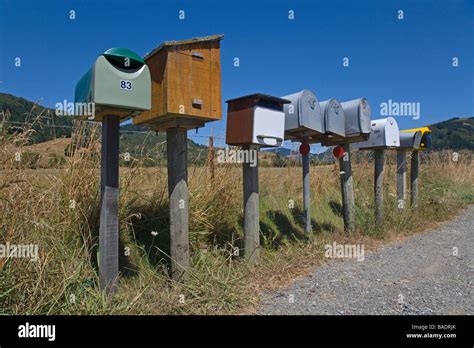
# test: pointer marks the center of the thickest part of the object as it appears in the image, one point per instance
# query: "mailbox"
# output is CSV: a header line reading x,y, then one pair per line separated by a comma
x,y
425,142
385,134
303,117
186,84
333,117
256,119
410,140
356,123
118,84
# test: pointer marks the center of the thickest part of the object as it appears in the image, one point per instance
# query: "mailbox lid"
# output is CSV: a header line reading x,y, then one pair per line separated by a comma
x,y
333,116
410,140
384,134
357,117
121,88
303,113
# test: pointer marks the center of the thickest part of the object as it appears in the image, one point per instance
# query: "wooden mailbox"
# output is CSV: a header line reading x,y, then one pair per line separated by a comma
x,y
186,84
256,119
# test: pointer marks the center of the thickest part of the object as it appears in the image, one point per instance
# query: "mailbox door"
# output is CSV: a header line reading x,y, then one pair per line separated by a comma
x,y
410,140
128,89
392,133
268,126
426,142
334,122
357,115
303,114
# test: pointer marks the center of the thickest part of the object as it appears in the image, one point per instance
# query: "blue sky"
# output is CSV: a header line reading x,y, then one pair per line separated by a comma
x,y
407,60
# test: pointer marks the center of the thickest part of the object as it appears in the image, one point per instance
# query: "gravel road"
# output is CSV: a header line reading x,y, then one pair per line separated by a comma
x,y
419,275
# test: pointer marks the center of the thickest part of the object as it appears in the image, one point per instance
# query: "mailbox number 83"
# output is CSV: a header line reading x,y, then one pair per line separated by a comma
x,y
124,84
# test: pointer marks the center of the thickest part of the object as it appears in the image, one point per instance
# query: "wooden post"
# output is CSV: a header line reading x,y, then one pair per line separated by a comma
x,y
109,225
306,194
401,179
210,160
347,189
176,144
251,210
378,184
415,162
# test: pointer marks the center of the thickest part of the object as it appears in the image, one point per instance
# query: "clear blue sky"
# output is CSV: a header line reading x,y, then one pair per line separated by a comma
x,y
407,60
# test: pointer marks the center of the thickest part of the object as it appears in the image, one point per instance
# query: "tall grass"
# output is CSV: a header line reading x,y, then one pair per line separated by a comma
x,y
58,209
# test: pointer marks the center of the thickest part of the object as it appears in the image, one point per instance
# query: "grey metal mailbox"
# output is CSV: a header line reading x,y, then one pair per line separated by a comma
x,y
357,123
303,117
385,134
333,117
410,140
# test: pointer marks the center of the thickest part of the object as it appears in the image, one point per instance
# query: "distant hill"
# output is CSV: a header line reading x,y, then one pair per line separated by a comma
x,y
455,134
48,126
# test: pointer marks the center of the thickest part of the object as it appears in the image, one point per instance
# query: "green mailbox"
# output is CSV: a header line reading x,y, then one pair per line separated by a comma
x,y
118,83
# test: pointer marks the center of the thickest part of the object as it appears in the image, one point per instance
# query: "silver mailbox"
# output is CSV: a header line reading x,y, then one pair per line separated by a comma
x,y
303,117
410,140
333,117
356,123
385,134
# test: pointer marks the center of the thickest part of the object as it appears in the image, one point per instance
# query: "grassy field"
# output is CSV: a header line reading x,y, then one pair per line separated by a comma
x,y
58,209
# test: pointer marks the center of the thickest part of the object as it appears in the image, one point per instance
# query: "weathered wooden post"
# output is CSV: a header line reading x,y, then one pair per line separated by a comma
x,y
401,178
385,135
118,86
186,92
304,150
414,172
210,160
378,184
415,139
251,209
109,189
176,147
356,116
254,121
347,190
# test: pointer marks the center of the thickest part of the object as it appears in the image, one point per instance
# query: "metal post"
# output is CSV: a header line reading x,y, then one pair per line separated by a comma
x,y
109,225
378,184
176,144
415,162
251,210
306,194
347,189
401,179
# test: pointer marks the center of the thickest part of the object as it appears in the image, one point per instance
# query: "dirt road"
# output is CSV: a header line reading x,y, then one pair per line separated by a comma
x,y
429,273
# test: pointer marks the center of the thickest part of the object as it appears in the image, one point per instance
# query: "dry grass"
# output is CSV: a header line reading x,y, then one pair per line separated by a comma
x,y
58,210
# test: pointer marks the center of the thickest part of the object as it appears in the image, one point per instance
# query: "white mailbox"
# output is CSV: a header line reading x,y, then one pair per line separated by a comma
x,y
385,134
356,123
410,140
333,117
256,119
303,117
